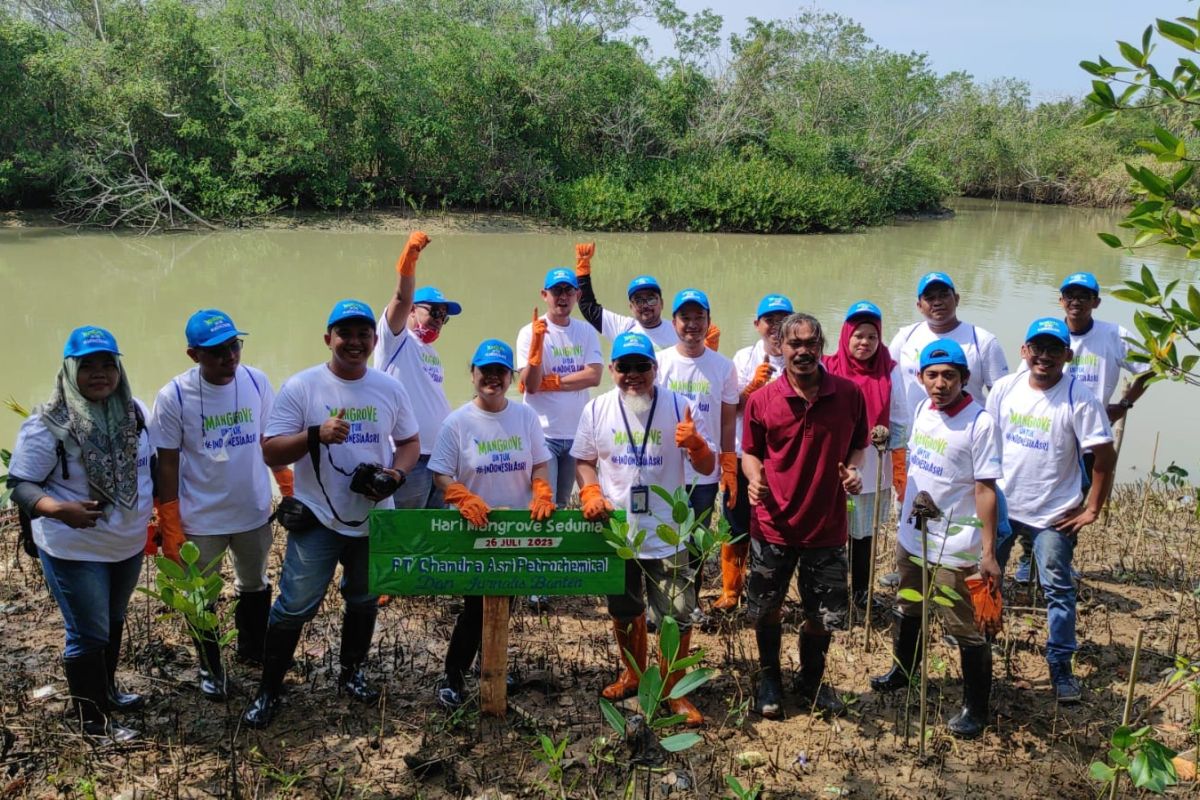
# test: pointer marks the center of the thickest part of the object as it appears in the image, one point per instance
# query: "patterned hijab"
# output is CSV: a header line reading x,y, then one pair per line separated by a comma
x,y
104,434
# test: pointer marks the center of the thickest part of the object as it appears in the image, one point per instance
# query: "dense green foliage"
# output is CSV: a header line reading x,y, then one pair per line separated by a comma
x,y
120,111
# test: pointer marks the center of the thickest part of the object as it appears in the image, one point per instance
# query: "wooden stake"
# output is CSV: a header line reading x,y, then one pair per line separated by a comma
x,y
493,688
1133,668
1137,548
924,635
876,513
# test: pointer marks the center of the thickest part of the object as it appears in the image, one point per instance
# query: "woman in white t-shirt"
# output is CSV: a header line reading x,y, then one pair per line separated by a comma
x,y
81,472
491,453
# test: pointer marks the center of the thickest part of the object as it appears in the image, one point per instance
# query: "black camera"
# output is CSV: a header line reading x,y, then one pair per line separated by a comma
x,y
372,481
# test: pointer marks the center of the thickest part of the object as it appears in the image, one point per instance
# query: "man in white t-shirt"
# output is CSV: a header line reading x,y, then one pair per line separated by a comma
x,y
1099,351
756,366
213,488
1047,419
351,432
645,303
954,457
937,300
631,438
709,381
411,323
559,359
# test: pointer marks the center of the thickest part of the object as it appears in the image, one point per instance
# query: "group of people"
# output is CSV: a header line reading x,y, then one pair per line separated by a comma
x,y
791,444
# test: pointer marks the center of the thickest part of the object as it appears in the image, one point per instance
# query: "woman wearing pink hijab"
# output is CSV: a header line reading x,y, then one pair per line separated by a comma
x,y
860,359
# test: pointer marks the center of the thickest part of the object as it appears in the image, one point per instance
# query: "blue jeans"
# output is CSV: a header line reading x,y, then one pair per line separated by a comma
x,y
562,470
418,490
91,595
308,565
1053,551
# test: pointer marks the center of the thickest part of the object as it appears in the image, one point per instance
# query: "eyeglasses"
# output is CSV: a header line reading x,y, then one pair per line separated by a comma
x,y
645,299
436,312
639,365
1051,350
561,289
218,350
1078,297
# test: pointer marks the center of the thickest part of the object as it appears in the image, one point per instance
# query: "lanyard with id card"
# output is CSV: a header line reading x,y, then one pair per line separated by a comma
x,y
639,494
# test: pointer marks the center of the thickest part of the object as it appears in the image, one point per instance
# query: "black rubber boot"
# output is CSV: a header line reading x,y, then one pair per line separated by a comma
x,y
212,672
811,688
860,569
464,643
977,688
87,679
280,646
906,653
117,699
769,701
250,617
357,629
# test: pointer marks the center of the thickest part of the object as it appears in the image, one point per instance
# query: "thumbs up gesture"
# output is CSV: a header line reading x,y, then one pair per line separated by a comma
x,y
851,479
583,259
335,429
534,358
762,376
686,436
407,263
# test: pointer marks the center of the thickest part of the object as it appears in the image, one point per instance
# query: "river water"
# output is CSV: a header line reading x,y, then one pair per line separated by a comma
x,y
1006,258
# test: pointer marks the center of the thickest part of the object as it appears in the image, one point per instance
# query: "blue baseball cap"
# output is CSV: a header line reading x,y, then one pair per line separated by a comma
x,y
350,309
633,344
209,327
943,351
1085,279
90,339
1049,326
933,277
774,304
642,282
561,275
430,295
492,351
864,308
690,296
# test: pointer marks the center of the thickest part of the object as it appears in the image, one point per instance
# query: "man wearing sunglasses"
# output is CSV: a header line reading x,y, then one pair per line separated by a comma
x,y
213,487
645,303
631,438
411,323
1047,419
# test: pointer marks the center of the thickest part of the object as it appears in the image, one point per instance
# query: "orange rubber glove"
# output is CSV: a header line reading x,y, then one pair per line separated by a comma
x,y
152,540
762,376
286,480
712,339
596,506
535,341
687,438
170,527
899,471
583,259
406,264
550,383
470,506
542,504
729,478
988,603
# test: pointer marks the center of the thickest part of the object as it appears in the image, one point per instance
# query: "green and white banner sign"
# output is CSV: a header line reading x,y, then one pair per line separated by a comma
x,y
428,552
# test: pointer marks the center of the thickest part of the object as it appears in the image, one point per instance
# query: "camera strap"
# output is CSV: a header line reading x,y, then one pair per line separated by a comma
x,y
314,454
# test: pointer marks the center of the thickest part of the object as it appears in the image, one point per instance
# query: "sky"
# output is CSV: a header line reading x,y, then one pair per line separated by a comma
x,y
1040,42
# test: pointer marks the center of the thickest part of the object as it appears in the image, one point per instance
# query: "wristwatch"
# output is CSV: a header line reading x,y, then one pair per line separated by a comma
x,y
1125,403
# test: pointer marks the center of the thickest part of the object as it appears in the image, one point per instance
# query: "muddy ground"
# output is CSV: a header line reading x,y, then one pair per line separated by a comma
x,y
1138,575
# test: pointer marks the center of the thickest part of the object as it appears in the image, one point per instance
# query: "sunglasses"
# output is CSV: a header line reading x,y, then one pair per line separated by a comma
x,y
218,350
436,312
639,365
1051,350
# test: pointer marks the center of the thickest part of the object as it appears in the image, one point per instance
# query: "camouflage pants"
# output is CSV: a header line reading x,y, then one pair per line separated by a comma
x,y
820,577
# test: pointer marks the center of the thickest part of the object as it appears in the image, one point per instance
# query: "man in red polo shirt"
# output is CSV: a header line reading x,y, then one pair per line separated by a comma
x,y
803,443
